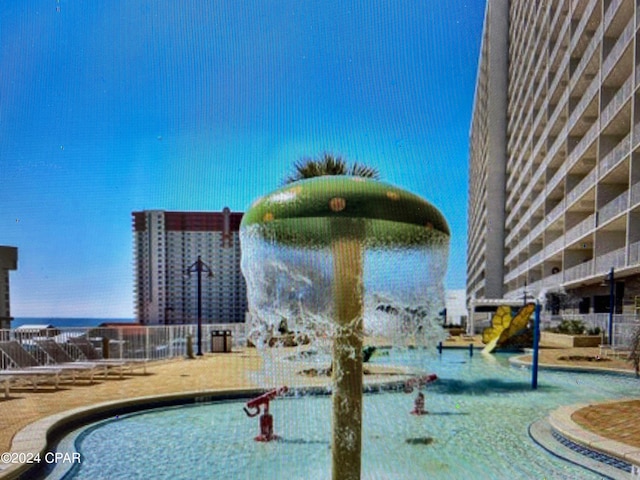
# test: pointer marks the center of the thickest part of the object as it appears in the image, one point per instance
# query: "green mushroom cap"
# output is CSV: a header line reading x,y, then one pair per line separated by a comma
x,y
309,212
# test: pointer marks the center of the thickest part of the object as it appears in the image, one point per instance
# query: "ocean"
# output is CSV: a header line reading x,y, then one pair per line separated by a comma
x,y
66,322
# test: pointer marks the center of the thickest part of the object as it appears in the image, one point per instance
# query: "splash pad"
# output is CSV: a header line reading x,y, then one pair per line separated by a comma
x,y
335,259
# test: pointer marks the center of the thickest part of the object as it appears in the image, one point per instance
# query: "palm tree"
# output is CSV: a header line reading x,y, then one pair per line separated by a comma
x,y
328,164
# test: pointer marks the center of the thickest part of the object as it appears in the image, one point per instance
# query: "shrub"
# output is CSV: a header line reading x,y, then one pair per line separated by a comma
x,y
571,327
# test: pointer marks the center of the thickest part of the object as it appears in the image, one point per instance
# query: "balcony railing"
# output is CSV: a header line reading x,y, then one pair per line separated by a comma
x,y
554,246
556,212
634,254
583,144
584,185
618,49
583,21
615,258
618,100
613,208
635,194
581,229
612,158
577,272
591,90
611,11
586,57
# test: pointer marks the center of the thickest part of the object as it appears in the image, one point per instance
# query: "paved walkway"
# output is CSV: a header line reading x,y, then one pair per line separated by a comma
x,y
619,421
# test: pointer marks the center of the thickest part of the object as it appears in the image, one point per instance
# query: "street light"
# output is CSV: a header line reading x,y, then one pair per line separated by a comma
x,y
199,266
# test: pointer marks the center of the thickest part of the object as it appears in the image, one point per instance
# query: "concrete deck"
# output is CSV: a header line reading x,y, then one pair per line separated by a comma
x,y
617,422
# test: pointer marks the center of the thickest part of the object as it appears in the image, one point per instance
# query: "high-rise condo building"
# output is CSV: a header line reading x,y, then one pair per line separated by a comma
x,y
554,195
8,261
167,246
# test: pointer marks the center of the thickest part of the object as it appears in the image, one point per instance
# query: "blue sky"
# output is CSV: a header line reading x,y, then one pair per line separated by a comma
x,y
109,107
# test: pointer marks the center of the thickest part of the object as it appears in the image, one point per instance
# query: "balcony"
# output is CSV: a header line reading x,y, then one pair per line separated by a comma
x,y
583,144
556,212
581,229
577,34
577,272
586,57
554,246
613,208
592,89
611,12
634,254
616,103
635,194
614,157
615,258
618,49
585,184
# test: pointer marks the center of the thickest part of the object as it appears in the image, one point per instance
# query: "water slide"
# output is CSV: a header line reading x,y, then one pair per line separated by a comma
x,y
504,326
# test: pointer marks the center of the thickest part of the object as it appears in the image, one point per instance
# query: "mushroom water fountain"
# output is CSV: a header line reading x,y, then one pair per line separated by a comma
x,y
338,259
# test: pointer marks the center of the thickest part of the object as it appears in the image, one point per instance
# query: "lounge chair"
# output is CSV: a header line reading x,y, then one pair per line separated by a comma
x,y
59,357
92,355
19,358
32,377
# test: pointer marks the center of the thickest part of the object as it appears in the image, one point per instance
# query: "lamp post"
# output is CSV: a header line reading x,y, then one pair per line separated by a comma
x,y
199,266
612,302
524,292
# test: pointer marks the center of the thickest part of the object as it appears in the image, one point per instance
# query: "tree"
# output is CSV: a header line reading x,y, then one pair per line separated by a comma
x,y
328,164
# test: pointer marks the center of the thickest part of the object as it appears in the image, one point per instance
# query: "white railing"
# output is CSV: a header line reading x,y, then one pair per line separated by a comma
x,y
613,208
150,342
577,272
612,158
619,47
554,246
553,280
581,228
618,100
635,194
583,144
584,101
584,185
615,258
586,14
611,11
586,57
634,254
623,326
556,211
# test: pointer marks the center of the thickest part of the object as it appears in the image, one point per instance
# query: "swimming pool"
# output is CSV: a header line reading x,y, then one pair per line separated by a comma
x,y
480,411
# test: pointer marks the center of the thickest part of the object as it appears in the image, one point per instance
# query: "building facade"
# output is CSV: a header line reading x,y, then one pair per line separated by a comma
x,y
167,246
557,109
8,261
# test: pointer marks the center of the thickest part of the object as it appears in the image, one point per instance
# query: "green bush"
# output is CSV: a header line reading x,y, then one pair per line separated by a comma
x,y
571,327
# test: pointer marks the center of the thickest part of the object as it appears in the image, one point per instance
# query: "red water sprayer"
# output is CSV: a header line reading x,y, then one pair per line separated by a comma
x,y
253,408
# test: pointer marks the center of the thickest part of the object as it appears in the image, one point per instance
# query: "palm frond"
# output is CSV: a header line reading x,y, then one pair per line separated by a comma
x,y
328,164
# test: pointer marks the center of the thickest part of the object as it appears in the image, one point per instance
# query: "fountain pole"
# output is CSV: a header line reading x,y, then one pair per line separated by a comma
x,y
347,215
346,444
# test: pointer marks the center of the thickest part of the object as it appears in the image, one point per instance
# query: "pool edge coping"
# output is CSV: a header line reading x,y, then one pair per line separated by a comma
x,y
560,419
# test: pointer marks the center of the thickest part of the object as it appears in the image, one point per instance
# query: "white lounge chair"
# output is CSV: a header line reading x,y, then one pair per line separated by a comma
x,y
20,359
91,354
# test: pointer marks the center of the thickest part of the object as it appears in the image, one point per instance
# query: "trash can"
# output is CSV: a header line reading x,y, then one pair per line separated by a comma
x,y
220,341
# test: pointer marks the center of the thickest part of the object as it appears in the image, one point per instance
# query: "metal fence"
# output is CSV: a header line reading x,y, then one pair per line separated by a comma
x,y
152,342
624,326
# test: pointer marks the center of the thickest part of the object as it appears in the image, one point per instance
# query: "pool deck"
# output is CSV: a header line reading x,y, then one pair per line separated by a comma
x,y
25,417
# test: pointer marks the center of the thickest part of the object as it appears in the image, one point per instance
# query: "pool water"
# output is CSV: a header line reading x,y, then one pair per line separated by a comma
x,y
477,427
